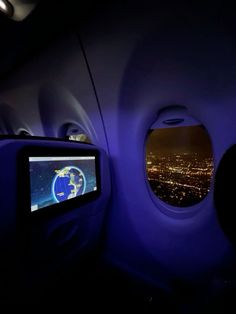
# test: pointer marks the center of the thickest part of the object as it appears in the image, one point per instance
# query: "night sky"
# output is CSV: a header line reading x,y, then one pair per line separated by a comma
x,y
187,139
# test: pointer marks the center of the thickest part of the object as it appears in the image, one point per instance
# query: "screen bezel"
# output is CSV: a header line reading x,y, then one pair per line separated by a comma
x,y
24,189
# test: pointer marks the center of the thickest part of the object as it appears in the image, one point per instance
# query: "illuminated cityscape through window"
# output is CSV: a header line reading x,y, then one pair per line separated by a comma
x,y
179,164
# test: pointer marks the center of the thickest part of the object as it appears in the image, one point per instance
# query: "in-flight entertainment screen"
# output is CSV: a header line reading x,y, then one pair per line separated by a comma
x,y
56,179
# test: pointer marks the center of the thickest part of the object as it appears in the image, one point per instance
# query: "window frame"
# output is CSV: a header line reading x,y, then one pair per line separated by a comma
x,y
181,115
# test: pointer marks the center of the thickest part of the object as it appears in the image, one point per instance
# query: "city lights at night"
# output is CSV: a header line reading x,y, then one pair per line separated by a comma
x,y
179,164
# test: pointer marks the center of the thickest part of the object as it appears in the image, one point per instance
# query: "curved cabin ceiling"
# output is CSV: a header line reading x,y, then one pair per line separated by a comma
x,y
42,21
17,10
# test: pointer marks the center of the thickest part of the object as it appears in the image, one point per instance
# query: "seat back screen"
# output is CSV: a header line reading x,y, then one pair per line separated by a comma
x,y
57,179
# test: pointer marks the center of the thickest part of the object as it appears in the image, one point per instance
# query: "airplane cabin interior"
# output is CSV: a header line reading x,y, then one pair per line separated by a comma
x,y
118,154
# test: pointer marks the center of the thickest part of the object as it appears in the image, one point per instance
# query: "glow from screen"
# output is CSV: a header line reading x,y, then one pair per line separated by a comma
x,y
57,179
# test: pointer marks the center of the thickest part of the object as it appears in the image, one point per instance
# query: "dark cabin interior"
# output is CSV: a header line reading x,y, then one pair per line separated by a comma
x,y
131,105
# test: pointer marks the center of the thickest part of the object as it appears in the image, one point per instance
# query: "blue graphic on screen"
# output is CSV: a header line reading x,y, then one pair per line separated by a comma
x,y
58,179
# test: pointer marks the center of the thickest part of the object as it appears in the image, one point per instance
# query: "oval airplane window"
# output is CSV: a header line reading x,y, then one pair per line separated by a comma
x,y
75,132
179,163
81,137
